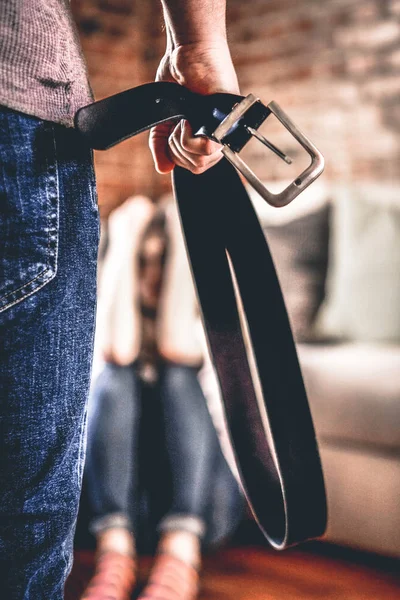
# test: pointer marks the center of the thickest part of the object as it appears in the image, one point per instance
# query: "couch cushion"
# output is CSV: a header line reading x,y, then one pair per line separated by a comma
x,y
300,252
354,392
363,491
298,236
363,286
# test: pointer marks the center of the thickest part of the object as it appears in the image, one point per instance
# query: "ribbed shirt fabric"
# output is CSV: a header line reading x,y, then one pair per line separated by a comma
x,y
42,69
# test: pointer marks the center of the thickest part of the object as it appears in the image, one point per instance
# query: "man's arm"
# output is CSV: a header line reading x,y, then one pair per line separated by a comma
x,y
197,56
191,21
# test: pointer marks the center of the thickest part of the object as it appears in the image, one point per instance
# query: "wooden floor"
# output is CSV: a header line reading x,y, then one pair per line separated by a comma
x,y
256,573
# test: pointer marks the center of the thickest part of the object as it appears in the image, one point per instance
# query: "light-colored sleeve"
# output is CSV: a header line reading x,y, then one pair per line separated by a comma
x,y
179,329
118,319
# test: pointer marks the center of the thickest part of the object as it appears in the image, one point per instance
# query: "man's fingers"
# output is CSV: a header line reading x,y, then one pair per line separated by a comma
x,y
196,159
196,163
173,144
176,147
159,147
196,145
178,156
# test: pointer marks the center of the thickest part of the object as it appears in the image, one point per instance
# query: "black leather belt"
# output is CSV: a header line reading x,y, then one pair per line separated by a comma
x,y
272,433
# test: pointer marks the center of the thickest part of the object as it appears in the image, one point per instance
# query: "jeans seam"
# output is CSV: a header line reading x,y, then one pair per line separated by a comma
x,y
23,286
52,269
93,187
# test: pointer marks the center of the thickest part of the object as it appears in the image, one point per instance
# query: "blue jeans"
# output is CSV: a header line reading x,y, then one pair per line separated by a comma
x,y
154,461
48,251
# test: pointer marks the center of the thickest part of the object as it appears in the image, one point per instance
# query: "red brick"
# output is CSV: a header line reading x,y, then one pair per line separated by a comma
x,y
395,7
371,36
366,11
382,87
393,59
360,63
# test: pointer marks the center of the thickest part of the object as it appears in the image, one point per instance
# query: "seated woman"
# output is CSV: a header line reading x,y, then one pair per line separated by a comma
x,y
155,471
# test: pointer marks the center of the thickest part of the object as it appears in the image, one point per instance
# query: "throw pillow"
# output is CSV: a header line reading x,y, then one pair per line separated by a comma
x,y
363,287
300,252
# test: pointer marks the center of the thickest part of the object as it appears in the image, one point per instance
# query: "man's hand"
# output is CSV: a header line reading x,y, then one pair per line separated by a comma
x,y
205,68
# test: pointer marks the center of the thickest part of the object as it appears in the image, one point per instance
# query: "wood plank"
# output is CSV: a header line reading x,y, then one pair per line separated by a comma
x,y
254,573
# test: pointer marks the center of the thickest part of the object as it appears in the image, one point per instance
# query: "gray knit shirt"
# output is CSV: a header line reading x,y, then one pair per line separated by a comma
x,y
42,70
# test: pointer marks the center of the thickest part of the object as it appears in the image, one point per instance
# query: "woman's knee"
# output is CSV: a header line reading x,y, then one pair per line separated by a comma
x,y
114,390
180,386
178,377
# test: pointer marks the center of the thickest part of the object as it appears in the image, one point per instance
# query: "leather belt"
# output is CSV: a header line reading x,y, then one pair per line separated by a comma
x,y
253,351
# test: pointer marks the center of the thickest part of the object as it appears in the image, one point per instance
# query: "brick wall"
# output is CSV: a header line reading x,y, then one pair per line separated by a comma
x,y
122,41
333,64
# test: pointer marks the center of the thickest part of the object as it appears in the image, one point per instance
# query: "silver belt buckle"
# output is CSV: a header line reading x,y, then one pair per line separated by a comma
x,y
309,175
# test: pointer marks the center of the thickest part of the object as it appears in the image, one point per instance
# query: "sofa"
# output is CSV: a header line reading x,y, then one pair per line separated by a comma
x,y
337,254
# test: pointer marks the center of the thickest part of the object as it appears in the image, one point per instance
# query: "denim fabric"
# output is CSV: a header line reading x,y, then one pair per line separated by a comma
x,y
154,460
48,251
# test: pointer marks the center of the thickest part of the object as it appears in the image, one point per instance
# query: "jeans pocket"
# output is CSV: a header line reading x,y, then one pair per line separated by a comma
x,y
29,200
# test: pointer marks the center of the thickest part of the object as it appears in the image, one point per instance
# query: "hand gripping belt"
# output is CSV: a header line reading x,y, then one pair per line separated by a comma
x,y
272,433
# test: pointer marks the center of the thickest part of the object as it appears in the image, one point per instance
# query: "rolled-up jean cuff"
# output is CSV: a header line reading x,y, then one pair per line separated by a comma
x,y
114,520
183,522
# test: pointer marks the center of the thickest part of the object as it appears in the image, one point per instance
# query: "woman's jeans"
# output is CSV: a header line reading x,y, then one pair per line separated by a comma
x,y
154,461
48,248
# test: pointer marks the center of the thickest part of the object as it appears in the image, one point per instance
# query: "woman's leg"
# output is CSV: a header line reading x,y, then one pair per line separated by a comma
x,y
203,485
226,504
113,433
191,447
193,450
111,472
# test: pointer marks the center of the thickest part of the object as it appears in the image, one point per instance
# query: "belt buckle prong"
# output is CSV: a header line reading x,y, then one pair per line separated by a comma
x,y
237,118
